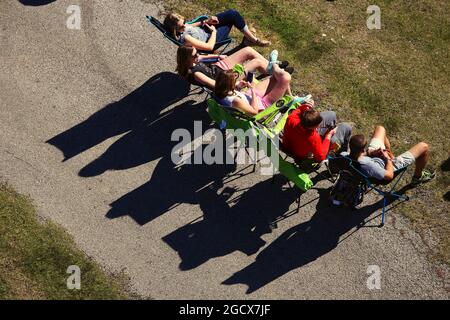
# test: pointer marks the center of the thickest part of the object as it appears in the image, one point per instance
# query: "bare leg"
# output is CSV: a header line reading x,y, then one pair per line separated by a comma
x,y
421,152
244,55
380,133
249,35
288,90
387,144
256,64
275,87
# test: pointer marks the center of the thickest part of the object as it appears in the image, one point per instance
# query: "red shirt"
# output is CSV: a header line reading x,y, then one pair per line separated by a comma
x,y
300,142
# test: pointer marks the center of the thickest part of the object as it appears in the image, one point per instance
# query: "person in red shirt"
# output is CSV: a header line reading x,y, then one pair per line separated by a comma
x,y
309,133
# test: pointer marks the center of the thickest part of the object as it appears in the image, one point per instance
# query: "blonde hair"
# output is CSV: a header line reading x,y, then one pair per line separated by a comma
x,y
184,60
225,83
171,23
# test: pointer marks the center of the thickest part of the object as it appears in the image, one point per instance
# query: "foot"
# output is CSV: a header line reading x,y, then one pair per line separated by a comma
x,y
289,70
426,176
273,59
256,43
283,64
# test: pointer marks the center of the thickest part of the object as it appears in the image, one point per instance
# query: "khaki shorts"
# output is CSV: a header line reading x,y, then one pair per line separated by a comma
x,y
375,144
399,162
403,160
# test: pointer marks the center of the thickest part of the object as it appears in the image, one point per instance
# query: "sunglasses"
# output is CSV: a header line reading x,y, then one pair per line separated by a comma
x,y
179,27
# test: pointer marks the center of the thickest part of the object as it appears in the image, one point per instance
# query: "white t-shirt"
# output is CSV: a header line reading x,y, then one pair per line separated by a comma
x,y
228,100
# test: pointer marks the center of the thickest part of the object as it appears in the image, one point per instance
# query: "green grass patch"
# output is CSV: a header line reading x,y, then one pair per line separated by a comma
x,y
35,255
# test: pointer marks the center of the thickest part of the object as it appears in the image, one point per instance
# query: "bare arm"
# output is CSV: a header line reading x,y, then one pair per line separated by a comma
x,y
389,175
196,24
206,46
208,56
245,107
204,79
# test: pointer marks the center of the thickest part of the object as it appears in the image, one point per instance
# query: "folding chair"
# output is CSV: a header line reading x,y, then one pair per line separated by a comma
x,y
307,166
310,165
160,27
346,163
269,122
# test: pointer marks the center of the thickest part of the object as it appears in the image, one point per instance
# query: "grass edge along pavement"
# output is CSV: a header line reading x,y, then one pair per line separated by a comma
x,y
35,255
395,76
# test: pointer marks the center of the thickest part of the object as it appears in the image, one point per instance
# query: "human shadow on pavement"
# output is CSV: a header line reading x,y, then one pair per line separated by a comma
x,y
230,223
132,112
149,141
302,244
168,187
36,3
170,184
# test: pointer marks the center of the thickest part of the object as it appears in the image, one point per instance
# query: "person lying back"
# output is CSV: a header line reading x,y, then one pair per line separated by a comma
x,y
204,35
191,65
260,95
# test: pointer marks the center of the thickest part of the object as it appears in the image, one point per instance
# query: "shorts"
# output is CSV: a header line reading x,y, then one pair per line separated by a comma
x,y
375,144
262,102
399,162
403,160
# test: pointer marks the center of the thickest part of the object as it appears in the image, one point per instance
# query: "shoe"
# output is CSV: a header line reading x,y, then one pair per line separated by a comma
x,y
273,59
426,176
283,64
289,70
258,43
262,43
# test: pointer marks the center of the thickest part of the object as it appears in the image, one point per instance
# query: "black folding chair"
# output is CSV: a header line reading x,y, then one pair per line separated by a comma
x,y
345,163
160,27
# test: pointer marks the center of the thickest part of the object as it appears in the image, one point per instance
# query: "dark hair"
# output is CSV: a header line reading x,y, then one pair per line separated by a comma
x,y
357,145
184,60
225,83
310,118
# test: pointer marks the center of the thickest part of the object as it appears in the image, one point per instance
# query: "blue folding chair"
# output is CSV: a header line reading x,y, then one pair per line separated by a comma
x,y
345,163
160,27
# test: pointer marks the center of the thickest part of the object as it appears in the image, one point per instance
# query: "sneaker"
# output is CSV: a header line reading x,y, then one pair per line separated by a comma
x,y
283,64
273,58
426,176
289,70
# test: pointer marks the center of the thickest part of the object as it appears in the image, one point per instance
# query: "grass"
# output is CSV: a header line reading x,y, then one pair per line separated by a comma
x,y
397,76
35,255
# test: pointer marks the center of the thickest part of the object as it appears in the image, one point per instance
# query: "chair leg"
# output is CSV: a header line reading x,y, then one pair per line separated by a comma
x,y
298,202
383,212
223,50
332,180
